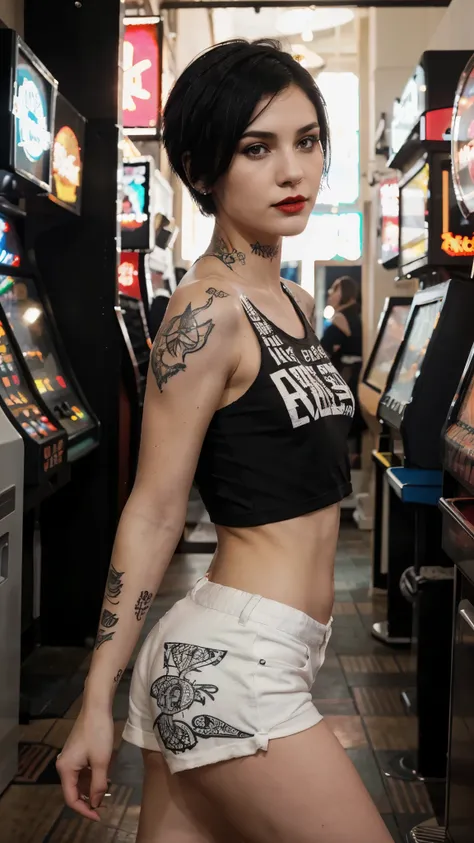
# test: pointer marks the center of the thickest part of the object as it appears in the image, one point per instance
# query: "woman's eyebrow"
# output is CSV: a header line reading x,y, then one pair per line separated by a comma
x,y
256,133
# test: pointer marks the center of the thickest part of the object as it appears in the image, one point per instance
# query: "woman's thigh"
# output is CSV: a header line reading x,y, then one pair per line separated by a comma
x,y
173,811
304,789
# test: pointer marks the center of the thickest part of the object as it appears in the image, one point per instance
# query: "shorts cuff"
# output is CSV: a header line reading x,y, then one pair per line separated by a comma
x,y
145,740
299,724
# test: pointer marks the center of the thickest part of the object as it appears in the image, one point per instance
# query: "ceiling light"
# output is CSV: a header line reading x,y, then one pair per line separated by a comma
x,y
300,20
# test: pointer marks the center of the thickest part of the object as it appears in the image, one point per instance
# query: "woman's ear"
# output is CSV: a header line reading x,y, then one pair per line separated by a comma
x,y
198,185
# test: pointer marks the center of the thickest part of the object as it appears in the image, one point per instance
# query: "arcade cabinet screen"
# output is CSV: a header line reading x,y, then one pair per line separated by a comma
x,y
69,139
388,346
390,223
33,112
463,143
415,345
414,197
24,311
9,244
15,393
135,215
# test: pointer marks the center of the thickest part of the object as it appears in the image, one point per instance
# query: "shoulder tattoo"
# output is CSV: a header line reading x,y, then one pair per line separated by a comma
x,y
183,334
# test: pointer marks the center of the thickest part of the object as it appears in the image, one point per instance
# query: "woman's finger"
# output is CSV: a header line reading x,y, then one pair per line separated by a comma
x,y
73,798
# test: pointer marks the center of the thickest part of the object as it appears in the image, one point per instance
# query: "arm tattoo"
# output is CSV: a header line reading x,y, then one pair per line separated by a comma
x,y
228,257
118,677
114,586
102,637
108,619
143,604
183,334
264,251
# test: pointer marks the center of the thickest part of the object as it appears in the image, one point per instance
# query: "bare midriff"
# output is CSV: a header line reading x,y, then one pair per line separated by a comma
x,y
290,561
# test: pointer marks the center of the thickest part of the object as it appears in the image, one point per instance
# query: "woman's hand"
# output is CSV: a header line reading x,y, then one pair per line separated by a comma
x,y
83,763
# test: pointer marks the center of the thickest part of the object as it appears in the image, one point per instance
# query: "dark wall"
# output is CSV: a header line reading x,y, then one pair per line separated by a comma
x,y
77,261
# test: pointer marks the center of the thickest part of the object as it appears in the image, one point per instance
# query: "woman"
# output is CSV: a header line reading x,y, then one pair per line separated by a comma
x,y
241,393
342,341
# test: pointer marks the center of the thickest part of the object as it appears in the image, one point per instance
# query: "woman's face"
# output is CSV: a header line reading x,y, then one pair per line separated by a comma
x,y
279,157
334,295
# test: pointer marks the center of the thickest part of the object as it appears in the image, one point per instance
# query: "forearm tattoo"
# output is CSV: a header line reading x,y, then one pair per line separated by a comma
x,y
114,586
143,604
118,677
219,249
269,252
108,621
183,334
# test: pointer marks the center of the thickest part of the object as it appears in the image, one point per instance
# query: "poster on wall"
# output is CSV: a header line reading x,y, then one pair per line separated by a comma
x,y
141,95
34,99
135,216
67,165
128,274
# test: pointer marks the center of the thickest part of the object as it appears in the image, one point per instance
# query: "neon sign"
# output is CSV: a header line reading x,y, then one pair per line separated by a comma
x,y
128,279
31,112
135,216
457,245
7,257
67,166
141,76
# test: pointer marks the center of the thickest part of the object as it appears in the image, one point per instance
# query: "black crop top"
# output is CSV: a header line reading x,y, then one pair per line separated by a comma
x,y
280,450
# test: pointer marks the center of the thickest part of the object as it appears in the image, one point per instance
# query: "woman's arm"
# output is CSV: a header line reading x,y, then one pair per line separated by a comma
x,y
193,357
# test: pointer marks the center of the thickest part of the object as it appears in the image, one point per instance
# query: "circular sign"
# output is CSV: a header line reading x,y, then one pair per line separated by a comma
x,y
66,165
31,111
462,140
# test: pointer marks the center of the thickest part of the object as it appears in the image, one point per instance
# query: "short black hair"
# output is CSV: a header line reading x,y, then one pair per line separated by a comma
x,y
211,104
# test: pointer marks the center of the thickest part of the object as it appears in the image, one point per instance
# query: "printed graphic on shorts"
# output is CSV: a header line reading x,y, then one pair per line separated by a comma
x,y
175,693
308,383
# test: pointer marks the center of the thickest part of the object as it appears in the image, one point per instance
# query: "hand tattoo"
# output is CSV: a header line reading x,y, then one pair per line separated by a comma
x,y
182,335
227,257
264,251
143,604
114,585
118,677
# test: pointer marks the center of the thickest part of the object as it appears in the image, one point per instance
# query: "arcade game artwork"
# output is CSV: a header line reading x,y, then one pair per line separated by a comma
x,y
67,164
462,144
408,368
387,347
135,217
389,222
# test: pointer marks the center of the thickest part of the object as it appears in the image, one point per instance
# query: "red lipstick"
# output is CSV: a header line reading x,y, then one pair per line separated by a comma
x,y
291,205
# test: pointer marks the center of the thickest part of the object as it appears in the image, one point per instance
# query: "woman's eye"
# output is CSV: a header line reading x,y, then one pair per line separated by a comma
x,y
255,151
309,142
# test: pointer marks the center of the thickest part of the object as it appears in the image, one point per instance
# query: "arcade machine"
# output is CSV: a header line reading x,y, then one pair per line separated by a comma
x,y
39,389
134,315
413,408
457,507
389,336
11,526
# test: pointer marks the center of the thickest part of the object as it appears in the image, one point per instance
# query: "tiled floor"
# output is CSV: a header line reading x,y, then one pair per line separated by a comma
x,y
358,691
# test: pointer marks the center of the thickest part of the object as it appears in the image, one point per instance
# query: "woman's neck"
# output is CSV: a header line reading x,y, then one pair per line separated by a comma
x,y
250,258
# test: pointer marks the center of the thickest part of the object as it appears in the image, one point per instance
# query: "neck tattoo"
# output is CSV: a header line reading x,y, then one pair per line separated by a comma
x,y
268,252
227,256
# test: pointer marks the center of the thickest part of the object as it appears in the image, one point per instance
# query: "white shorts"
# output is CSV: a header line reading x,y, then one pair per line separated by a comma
x,y
221,674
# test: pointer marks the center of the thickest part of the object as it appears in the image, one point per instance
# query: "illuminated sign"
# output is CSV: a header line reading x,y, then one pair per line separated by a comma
x,y
9,247
6,284
128,278
32,111
135,217
457,245
141,76
69,139
462,141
